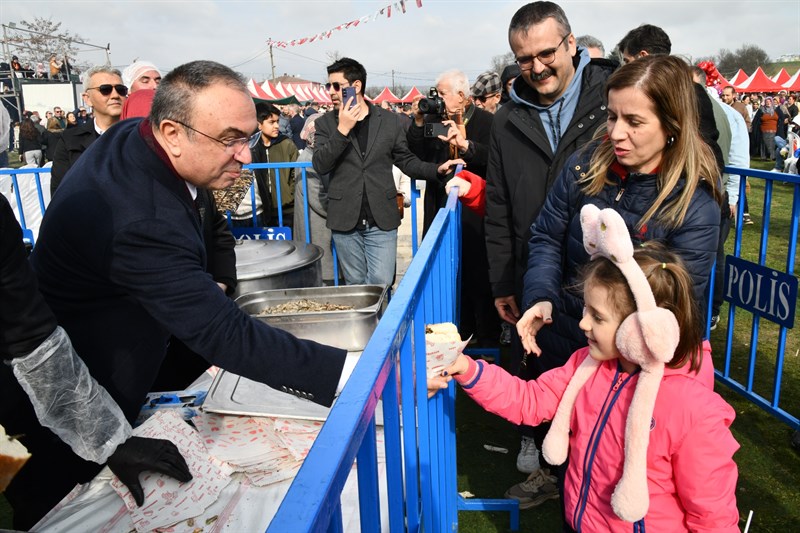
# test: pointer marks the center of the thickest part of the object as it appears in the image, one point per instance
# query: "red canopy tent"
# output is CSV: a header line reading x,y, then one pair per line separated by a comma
x,y
321,95
409,98
386,95
738,78
280,91
758,82
270,89
257,92
794,82
781,77
299,90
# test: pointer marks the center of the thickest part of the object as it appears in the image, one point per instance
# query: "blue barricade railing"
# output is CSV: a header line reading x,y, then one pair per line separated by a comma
x,y
419,437
23,194
765,292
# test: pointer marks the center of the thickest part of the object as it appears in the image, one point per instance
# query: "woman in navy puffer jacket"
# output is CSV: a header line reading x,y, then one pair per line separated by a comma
x,y
652,167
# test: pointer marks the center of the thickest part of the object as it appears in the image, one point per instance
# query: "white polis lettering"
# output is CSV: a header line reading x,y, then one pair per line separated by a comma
x,y
767,296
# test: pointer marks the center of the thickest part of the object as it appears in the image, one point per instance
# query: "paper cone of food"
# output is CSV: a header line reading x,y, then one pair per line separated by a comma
x,y
13,455
442,345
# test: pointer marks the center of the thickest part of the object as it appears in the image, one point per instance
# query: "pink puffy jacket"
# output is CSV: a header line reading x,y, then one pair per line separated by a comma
x,y
690,468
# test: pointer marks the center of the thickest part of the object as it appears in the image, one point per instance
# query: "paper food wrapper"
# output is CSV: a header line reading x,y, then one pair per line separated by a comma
x,y
443,344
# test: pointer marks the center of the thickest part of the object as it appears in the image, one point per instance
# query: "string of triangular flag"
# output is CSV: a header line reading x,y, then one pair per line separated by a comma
x,y
395,7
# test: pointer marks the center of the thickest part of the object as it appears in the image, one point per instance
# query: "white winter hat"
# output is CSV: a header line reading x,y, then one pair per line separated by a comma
x,y
136,69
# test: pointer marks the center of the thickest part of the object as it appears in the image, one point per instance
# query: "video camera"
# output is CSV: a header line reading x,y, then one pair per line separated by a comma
x,y
433,104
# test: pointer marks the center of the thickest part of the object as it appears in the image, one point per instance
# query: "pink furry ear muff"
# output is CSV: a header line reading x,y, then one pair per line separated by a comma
x,y
648,338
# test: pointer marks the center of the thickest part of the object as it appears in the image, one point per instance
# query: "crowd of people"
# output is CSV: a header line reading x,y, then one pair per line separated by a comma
x,y
558,134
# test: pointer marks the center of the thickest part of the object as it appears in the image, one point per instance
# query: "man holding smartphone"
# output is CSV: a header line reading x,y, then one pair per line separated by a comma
x,y
357,145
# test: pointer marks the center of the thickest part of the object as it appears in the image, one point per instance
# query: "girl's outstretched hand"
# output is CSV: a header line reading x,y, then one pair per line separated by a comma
x,y
436,383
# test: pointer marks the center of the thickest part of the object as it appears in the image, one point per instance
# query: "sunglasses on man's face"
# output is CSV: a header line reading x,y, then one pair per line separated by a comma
x,y
336,86
106,89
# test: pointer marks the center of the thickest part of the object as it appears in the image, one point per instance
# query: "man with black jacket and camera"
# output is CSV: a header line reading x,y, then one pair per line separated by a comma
x,y
448,125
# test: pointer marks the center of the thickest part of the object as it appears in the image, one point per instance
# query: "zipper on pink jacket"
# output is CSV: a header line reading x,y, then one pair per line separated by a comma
x,y
594,440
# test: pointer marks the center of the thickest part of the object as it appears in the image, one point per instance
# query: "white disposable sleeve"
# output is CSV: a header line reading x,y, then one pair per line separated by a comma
x,y
350,363
69,401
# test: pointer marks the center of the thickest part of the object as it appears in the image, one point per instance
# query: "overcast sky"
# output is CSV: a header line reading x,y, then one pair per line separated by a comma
x,y
417,45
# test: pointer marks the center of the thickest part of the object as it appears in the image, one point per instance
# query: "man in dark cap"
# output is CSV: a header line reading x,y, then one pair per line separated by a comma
x,y
486,91
507,78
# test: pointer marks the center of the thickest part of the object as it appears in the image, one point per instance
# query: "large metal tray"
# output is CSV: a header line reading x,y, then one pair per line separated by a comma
x,y
348,330
231,394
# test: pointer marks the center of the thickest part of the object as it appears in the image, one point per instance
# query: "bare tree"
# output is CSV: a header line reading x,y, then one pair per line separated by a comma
x,y
747,57
502,61
333,55
44,39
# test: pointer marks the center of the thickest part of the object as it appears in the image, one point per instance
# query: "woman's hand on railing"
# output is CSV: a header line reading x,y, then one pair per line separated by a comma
x,y
528,326
437,383
462,184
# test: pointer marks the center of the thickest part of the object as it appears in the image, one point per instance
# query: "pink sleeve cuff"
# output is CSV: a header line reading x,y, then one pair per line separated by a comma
x,y
469,378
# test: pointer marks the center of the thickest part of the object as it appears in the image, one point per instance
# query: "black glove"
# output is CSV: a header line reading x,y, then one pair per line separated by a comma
x,y
138,454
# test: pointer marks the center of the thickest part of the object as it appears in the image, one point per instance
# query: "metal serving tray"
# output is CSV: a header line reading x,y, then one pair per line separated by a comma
x,y
348,330
234,395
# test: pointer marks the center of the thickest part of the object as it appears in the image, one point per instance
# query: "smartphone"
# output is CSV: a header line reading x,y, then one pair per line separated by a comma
x,y
434,129
347,94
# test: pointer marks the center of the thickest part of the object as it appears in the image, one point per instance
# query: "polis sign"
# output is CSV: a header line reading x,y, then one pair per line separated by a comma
x,y
268,234
769,293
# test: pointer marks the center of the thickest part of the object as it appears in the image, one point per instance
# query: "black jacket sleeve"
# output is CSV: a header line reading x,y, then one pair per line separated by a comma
x,y
60,165
708,127
25,319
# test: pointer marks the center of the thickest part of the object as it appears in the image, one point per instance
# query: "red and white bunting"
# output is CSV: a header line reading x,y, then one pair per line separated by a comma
x,y
387,11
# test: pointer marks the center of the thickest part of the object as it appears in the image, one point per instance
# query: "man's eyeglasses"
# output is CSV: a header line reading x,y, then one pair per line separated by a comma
x,y
232,147
545,57
336,86
106,89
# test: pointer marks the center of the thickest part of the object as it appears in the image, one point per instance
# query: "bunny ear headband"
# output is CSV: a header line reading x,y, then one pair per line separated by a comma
x,y
648,338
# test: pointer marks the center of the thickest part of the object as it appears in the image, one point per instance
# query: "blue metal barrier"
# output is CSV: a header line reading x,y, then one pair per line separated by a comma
x,y
737,285
420,454
27,233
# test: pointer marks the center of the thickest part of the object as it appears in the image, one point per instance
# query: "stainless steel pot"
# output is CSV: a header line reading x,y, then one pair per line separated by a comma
x,y
265,264
348,329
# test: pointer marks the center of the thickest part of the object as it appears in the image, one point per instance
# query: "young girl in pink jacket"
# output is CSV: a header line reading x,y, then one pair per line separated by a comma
x,y
648,442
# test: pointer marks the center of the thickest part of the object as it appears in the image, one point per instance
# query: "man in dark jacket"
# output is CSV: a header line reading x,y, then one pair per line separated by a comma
x,y
651,40
467,138
106,94
556,104
357,145
125,275
73,412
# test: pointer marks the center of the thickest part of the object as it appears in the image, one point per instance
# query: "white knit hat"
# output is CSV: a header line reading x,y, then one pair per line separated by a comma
x,y
136,69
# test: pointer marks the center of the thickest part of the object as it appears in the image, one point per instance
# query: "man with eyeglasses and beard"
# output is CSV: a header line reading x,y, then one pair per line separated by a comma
x,y
121,262
105,94
556,104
